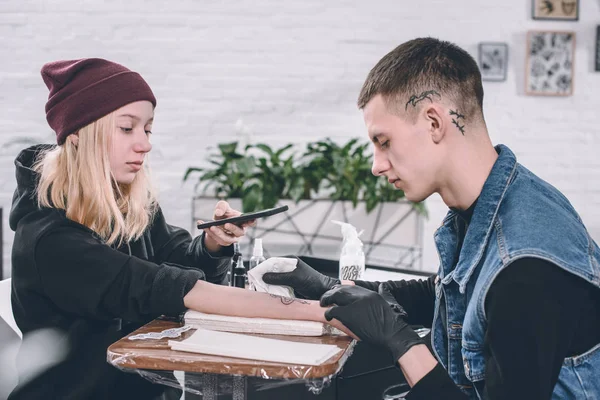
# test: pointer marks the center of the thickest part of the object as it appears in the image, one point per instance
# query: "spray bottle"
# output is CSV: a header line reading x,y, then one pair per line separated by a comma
x,y
352,257
257,258
257,254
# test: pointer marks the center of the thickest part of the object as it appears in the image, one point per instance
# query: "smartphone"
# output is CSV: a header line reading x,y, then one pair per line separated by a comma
x,y
244,217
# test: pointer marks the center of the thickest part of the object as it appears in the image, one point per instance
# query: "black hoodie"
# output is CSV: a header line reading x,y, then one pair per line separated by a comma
x,y
66,278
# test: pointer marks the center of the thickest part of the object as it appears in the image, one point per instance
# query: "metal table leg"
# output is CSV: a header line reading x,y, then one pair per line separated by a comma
x,y
210,387
240,387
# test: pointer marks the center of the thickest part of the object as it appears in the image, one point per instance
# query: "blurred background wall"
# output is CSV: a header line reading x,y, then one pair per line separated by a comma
x,y
288,72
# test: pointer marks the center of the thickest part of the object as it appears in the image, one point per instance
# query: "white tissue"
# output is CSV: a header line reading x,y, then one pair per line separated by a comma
x,y
274,264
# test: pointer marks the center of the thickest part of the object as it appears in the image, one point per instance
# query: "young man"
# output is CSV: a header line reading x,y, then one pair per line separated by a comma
x,y
515,306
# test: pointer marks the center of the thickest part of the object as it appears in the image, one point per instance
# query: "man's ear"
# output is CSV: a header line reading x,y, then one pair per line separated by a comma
x,y
436,123
74,138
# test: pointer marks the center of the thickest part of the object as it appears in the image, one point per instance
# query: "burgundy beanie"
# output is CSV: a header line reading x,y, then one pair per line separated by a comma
x,y
82,91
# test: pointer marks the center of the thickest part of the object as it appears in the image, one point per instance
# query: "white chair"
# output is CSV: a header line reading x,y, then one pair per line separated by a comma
x,y
5,306
10,338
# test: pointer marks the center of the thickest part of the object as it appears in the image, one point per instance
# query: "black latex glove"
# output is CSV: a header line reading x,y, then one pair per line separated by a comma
x,y
305,281
385,291
373,317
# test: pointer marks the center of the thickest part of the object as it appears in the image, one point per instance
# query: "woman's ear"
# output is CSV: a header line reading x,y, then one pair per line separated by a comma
x,y
74,138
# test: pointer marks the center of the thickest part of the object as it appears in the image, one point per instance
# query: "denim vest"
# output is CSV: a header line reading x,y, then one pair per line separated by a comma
x,y
517,215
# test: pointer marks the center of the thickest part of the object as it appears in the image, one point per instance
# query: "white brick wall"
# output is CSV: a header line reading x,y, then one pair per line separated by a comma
x,y
291,71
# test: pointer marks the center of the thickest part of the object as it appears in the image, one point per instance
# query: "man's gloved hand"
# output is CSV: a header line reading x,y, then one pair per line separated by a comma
x,y
386,292
370,317
305,281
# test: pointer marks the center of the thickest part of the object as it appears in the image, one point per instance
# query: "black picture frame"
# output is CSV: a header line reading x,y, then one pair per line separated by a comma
x,y
493,61
555,10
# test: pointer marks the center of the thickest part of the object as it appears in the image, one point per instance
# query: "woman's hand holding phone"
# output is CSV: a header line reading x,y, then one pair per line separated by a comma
x,y
227,234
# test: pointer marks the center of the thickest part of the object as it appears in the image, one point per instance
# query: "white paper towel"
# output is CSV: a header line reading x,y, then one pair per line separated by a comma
x,y
274,264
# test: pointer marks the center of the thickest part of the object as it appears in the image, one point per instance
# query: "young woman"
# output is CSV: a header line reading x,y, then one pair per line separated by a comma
x,y
93,257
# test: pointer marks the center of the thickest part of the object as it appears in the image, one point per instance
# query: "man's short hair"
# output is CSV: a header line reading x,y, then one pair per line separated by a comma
x,y
426,69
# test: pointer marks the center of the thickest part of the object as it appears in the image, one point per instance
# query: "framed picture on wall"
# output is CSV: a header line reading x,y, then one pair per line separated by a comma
x,y
557,10
493,61
549,65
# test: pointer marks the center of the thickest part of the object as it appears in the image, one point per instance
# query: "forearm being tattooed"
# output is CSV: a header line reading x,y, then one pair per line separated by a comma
x,y
225,300
289,300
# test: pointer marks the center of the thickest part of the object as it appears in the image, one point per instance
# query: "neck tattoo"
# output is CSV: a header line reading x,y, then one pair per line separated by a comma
x,y
458,116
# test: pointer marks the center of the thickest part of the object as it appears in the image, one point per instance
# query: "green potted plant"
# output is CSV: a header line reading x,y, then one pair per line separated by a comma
x,y
261,176
258,175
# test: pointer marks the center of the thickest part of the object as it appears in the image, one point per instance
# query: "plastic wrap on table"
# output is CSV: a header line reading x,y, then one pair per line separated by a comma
x,y
155,361
212,385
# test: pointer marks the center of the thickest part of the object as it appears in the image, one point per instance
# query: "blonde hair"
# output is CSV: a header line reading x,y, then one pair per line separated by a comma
x,y
77,179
